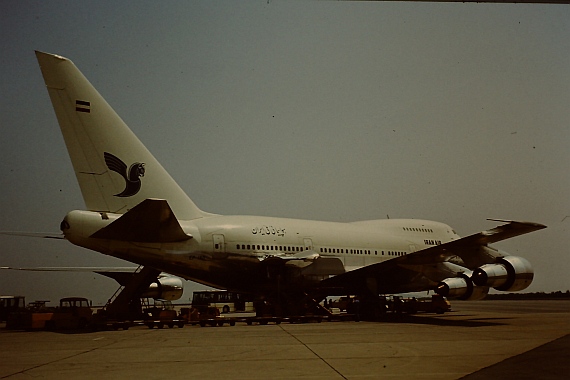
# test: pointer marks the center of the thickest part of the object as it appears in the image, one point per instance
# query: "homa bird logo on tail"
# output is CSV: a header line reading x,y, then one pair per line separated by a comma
x,y
132,177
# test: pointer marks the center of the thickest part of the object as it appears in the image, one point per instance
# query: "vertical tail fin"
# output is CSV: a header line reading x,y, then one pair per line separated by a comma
x,y
114,169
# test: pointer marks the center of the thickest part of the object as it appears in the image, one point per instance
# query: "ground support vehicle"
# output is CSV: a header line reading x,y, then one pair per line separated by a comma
x,y
205,316
33,317
217,321
164,318
10,304
437,304
342,303
163,314
225,301
101,321
72,313
261,320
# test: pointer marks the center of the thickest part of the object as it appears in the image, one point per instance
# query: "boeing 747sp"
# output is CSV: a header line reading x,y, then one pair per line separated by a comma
x,y
136,211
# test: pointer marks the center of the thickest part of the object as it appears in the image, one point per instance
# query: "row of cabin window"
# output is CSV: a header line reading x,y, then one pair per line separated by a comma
x,y
269,247
417,229
352,251
361,251
432,242
325,250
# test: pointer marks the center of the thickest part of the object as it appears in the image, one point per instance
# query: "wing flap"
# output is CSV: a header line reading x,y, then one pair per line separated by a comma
x,y
151,221
303,255
382,278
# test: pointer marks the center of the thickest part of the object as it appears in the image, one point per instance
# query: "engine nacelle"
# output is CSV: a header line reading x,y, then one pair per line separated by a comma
x,y
165,288
461,287
510,273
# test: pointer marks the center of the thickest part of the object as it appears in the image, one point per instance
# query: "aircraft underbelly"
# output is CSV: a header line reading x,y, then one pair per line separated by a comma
x,y
218,273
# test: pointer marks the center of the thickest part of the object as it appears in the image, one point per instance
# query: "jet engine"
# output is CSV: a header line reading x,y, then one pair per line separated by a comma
x,y
509,273
165,288
461,287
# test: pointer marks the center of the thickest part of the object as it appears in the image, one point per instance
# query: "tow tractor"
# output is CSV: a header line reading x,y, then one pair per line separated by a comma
x,y
72,313
437,304
163,314
10,304
205,316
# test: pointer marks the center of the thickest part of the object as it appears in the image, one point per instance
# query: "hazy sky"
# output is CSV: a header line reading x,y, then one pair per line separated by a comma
x,y
335,111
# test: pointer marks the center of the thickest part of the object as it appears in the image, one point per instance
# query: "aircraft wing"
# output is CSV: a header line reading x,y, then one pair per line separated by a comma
x,y
120,274
405,273
470,248
74,269
43,235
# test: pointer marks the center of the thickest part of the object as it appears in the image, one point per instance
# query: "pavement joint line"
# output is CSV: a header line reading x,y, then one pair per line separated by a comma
x,y
55,361
314,353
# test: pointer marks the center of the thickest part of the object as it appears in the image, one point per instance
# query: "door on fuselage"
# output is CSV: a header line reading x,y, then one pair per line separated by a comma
x,y
219,245
308,244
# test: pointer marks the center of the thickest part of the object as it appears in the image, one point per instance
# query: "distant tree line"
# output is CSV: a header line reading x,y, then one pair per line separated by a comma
x,y
530,296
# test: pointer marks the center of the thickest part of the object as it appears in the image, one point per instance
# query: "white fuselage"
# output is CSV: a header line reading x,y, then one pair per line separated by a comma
x,y
223,241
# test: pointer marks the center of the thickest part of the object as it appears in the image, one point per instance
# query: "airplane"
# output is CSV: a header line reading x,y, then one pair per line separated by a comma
x,y
137,212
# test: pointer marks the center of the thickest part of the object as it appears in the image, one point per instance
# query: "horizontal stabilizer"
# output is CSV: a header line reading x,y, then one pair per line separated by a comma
x,y
151,221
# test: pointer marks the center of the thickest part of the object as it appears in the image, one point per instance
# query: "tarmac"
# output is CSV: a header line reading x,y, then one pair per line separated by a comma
x,y
477,340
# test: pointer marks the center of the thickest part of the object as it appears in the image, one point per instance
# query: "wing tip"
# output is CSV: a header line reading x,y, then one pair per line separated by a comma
x,y
537,226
